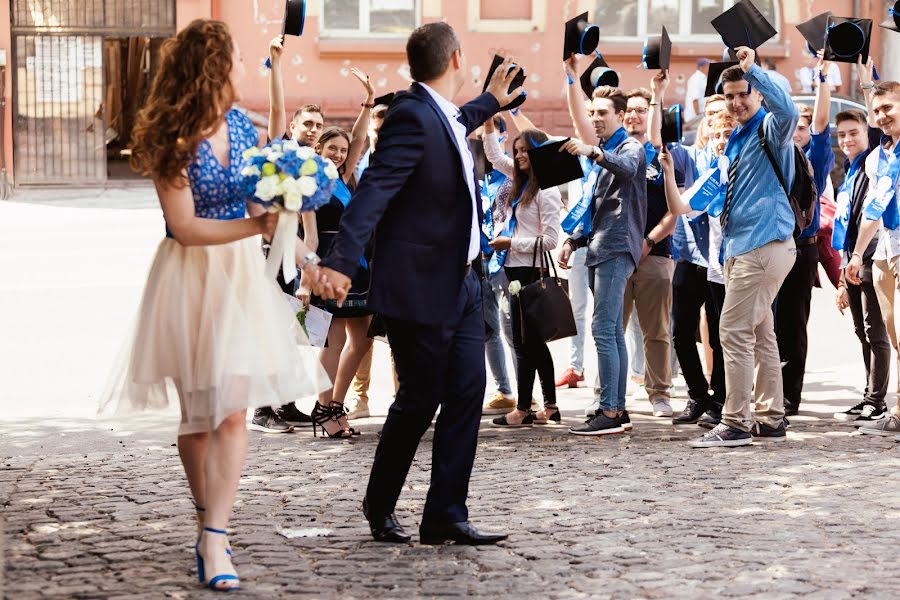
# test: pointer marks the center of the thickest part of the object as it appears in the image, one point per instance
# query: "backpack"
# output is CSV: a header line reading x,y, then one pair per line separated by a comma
x,y
803,195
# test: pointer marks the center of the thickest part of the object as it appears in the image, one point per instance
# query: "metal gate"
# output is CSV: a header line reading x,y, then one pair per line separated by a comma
x,y
59,122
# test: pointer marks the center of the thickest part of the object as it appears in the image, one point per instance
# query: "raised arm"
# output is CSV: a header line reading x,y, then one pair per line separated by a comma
x,y
778,102
658,86
628,161
360,130
866,76
277,115
822,109
494,153
575,98
521,122
674,201
488,104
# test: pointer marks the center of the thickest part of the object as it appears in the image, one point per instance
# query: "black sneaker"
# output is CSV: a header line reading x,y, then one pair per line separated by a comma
x,y
626,421
691,414
852,413
290,414
722,436
871,412
764,433
709,420
791,409
600,425
265,420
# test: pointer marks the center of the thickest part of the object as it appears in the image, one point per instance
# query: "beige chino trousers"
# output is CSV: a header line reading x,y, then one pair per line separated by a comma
x,y
747,333
886,277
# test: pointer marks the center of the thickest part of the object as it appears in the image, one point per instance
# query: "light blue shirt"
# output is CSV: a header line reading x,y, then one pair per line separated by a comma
x,y
760,211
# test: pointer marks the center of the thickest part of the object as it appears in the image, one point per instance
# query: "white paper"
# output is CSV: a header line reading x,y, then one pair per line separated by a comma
x,y
318,322
302,533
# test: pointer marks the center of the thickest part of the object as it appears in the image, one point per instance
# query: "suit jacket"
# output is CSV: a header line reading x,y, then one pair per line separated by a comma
x,y
414,198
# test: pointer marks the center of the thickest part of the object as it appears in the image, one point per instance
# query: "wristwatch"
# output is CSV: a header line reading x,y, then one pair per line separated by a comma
x,y
311,258
595,153
650,242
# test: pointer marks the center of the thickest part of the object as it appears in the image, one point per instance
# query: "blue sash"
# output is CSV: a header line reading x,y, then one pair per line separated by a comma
x,y
498,258
708,192
580,213
489,188
844,200
343,193
650,151
881,202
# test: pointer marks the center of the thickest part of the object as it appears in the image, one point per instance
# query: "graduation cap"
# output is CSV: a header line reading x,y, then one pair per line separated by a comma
x,y
848,38
657,51
597,74
384,100
672,125
743,25
294,17
517,82
552,167
894,22
713,79
581,37
814,32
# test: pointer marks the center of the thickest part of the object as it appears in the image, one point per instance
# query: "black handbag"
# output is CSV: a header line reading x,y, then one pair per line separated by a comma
x,y
544,305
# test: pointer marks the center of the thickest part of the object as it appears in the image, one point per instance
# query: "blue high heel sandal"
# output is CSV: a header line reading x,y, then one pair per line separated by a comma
x,y
200,509
201,571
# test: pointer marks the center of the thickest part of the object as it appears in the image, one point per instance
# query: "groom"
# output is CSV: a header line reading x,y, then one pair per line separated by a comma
x,y
419,197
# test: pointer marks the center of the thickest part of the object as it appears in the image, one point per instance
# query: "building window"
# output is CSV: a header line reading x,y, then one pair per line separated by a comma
x,y
374,18
682,18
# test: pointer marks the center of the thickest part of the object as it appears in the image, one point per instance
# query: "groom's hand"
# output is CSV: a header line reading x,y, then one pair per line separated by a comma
x,y
332,285
499,84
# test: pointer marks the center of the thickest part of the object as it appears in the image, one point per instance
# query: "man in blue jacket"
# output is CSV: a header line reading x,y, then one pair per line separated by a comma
x,y
419,198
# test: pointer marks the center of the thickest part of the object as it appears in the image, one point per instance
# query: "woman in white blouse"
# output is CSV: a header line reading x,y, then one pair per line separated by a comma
x,y
524,214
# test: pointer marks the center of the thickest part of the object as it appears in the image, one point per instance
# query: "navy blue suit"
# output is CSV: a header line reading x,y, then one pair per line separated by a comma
x,y
415,200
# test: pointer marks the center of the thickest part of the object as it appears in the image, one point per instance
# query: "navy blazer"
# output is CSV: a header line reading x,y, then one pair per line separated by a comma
x,y
415,199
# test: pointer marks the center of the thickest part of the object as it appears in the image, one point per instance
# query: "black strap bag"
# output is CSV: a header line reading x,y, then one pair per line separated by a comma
x,y
544,305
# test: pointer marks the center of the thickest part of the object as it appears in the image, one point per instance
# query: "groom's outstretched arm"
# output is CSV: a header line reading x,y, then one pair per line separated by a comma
x,y
401,144
477,111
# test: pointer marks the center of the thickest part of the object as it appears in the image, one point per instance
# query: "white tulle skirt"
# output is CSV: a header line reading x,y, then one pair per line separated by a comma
x,y
214,333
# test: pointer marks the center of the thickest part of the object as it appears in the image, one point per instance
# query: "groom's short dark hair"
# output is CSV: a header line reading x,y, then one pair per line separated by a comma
x,y
429,50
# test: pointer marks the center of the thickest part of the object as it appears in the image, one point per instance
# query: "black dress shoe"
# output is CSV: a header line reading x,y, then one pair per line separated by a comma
x,y
385,528
791,409
691,413
461,533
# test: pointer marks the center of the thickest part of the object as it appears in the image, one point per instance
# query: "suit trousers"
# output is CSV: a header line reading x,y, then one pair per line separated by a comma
x,y
869,328
792,316
747,333
438,366
690,290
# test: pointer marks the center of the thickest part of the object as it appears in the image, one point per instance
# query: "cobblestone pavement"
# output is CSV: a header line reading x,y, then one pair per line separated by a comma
x,y
632,516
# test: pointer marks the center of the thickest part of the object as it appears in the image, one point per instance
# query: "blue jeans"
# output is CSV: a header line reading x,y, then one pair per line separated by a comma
x,y
579,286
492,289
608,281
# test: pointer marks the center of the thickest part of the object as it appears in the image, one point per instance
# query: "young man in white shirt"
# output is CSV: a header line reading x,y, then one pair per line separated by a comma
x,y
696,88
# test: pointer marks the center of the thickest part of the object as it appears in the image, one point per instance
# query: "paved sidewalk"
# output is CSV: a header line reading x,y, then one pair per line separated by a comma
x,y
633,516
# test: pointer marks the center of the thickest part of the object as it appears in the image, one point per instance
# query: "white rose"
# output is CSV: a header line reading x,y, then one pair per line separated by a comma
x,y
273,156
293,196
275,147
305,153
251,171
290,146
331,172
307,186
268,187
515,287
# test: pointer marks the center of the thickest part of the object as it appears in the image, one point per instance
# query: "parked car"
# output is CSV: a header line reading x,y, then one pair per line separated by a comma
x,y
838,104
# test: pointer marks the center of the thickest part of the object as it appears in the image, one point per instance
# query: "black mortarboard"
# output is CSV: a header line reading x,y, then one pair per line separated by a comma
x,y
294,17
596,75
672,121
581,37
552,167
713,78
743,25
657,51
894,22
517,82
847,39
384,100
814,32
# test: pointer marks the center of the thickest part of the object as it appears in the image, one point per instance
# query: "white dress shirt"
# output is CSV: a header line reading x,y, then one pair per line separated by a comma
x,y
696,89
451,113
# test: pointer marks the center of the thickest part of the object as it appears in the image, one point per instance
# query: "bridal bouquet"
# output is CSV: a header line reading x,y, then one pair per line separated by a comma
x,y
289,178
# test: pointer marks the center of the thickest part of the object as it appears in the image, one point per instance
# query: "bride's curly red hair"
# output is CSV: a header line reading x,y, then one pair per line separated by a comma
x,y
190,96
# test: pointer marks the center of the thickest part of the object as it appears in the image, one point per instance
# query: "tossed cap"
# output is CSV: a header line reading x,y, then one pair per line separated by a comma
x,y
657,51
713,79
294,17
814,32
517,82
552,167
581,36
847,39
597,74
894,22
384,100
743,25
672,121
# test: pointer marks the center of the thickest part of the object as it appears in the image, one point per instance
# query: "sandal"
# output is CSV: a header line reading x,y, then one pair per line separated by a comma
x,y
213,583
553,418
200,519
527,421
325,415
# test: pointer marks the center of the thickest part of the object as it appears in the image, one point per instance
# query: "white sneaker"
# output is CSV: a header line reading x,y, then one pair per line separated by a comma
x,y
662,408
360,411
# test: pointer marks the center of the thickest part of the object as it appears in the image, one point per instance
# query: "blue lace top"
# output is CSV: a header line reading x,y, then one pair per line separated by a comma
x,y
215,188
